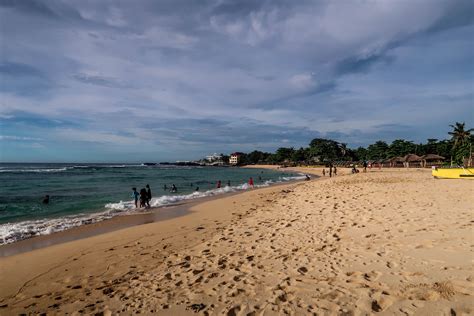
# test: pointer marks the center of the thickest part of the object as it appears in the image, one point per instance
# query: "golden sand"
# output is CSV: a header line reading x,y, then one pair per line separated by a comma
x,y
392,242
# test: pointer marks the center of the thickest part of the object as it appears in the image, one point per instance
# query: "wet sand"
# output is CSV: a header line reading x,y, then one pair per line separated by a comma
x,y
144,216
391,242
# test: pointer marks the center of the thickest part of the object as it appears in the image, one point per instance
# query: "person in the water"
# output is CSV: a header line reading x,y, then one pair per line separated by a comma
x,y
143,198
46,199
135,195
197,189
165,187
174,189
148,194
218,185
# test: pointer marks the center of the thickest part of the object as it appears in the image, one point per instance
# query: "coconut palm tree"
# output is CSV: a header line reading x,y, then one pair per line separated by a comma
x,y
460,136
343,148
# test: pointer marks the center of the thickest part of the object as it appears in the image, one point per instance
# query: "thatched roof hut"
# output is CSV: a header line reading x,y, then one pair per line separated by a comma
x,y
397,159
412,158
432,157
431,160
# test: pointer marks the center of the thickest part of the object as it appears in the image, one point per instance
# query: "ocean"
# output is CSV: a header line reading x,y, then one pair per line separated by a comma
x,y
82,194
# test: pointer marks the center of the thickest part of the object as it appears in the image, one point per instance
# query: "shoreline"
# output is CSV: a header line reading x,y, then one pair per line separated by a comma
x,y
175,233
145,216
352,244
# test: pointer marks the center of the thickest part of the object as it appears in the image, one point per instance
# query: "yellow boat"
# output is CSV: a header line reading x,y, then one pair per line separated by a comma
x,y
453,173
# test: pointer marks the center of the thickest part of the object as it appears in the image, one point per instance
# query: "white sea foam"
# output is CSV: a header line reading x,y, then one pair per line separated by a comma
x,y
11,232
40,170
35,170
177,198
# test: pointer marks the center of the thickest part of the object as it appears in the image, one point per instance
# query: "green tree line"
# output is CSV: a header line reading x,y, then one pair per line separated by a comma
x,y
320,150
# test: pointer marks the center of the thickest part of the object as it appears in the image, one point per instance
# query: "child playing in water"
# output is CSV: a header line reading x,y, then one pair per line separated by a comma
x,y
135,195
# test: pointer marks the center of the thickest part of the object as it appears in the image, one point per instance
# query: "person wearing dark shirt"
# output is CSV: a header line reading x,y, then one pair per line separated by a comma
x,y
143,197
148,194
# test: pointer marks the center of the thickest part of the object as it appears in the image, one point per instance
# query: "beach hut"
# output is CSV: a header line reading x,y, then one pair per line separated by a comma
x,y
431,160
396,162
412,159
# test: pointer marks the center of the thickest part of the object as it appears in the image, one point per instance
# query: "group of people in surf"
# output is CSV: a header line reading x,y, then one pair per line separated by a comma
x,y
144,196
173,188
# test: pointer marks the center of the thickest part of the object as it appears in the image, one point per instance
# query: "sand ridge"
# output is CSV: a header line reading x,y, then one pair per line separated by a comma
x,y
392,242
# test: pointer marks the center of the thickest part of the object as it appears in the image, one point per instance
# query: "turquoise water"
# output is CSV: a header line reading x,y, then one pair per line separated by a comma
x,y
86,193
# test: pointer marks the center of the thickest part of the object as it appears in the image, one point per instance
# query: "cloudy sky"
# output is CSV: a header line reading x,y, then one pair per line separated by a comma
x,y
171,79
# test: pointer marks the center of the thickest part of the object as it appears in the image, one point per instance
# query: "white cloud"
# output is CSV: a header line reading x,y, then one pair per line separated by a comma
x,y
127,63
303,81
18,138
69,134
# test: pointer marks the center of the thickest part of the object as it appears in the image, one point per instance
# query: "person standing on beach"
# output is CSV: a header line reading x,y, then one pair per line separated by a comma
x,y
335,171
330,171
251,182
148,195
365,166
324,172
135,195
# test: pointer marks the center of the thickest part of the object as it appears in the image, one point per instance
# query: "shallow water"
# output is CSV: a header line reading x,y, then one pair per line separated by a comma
x,y
86,193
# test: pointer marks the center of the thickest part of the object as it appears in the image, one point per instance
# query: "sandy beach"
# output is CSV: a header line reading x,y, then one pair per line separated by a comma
x,y
389,242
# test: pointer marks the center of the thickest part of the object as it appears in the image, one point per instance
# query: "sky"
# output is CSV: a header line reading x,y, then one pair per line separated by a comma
x,y
134,81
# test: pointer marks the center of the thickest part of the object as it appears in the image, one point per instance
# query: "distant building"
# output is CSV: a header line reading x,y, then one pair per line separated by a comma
x,y
214,157
235,158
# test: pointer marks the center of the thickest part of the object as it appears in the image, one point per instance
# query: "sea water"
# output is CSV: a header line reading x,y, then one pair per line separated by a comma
x,y
82,194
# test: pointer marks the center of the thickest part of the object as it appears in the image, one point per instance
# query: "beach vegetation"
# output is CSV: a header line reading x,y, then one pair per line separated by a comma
x,y
322,151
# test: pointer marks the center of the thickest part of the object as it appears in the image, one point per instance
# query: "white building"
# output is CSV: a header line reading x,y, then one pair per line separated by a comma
x,y
214,157
234,158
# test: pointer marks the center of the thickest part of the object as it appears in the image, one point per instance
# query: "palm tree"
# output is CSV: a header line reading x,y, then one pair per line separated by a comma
x,y
342,148
459,135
